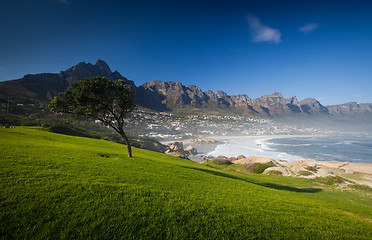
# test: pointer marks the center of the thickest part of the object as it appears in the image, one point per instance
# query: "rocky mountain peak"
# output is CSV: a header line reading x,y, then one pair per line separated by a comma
x,y
276,94
311,105
292,100
81,66
293,104
220,94
84,70
103,67
100,63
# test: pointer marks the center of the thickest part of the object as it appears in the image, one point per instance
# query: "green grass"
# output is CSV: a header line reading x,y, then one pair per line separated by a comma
x,y
54,186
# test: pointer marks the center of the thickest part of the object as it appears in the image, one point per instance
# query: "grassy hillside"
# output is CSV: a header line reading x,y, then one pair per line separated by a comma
x,y
55,186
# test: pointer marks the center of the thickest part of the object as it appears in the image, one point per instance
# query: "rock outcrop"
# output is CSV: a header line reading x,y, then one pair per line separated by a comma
x,y
191,150
176,149
201,140
152,145
284,171
254,159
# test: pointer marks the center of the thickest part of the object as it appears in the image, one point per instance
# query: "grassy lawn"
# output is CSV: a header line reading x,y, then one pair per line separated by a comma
x,y
54,186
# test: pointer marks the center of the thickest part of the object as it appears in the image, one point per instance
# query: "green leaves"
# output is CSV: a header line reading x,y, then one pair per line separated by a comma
x,y
97,97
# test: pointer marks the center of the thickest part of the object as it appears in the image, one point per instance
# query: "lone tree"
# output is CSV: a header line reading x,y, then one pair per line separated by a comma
x,y
100,98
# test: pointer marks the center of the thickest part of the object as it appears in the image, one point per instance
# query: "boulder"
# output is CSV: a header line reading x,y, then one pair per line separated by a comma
x,y
323,171
317,168
152,145
301,165
178,154
201,140
283,170
254,159
191,150
175,146
176,149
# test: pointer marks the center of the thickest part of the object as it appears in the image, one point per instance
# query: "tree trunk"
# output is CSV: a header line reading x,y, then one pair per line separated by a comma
x,y
127,142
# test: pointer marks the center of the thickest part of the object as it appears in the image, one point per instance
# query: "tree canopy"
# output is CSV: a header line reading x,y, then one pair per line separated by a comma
x,y
100,98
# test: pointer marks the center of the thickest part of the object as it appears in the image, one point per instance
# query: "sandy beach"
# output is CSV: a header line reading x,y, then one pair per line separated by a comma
x,y
360,173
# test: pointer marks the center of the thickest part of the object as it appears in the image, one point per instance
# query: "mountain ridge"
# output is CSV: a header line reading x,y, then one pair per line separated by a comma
x,y
160,95
44,86
172,96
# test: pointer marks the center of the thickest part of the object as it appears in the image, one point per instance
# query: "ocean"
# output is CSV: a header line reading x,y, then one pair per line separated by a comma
x,y
346,148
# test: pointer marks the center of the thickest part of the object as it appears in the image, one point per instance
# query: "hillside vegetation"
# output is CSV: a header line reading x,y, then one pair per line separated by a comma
x,y
55,186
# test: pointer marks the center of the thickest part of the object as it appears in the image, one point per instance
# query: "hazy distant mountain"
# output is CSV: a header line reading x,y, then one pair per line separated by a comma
x,y
172,96
161,95
44,86
350,108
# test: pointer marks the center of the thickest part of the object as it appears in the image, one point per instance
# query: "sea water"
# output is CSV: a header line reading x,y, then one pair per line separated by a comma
x,y
326,148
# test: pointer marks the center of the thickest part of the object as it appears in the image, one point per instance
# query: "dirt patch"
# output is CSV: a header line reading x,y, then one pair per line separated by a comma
x,y
359,218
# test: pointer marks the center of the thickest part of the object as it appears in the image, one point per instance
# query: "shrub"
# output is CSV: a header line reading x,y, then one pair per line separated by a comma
x,y
135,144
274,172
305,173
362,187
258,167
311,169
219,161
330,180
67,129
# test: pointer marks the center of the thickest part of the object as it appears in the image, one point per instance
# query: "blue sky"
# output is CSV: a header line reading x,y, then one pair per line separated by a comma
x,y
309,48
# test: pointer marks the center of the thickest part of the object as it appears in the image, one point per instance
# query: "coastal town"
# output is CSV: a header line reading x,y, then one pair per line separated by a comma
x,y
165,126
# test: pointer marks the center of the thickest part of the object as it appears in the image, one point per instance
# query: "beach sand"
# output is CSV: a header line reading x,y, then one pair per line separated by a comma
x,y
360,173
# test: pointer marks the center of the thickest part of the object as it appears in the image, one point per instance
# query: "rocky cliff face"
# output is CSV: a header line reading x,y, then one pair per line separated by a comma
x,y
45,86
311,105
350,108
161,95
273,104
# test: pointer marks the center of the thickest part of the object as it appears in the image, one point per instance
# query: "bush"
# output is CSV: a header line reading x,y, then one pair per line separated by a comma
x,y
220,161
258,167
67,129
9,118
274,172
362,187
135,144
330,180
311,169
305,173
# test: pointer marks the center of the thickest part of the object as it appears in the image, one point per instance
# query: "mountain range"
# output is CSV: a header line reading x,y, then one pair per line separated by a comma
x,y
172,96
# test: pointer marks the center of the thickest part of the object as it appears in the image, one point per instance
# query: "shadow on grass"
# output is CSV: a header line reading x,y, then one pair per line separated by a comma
x,y
269,185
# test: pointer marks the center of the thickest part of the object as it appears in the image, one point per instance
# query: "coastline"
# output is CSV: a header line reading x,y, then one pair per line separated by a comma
x,y
208,149
358,172
232,146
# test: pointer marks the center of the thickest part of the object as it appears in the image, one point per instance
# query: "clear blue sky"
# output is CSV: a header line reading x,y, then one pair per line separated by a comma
x,y
309,48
